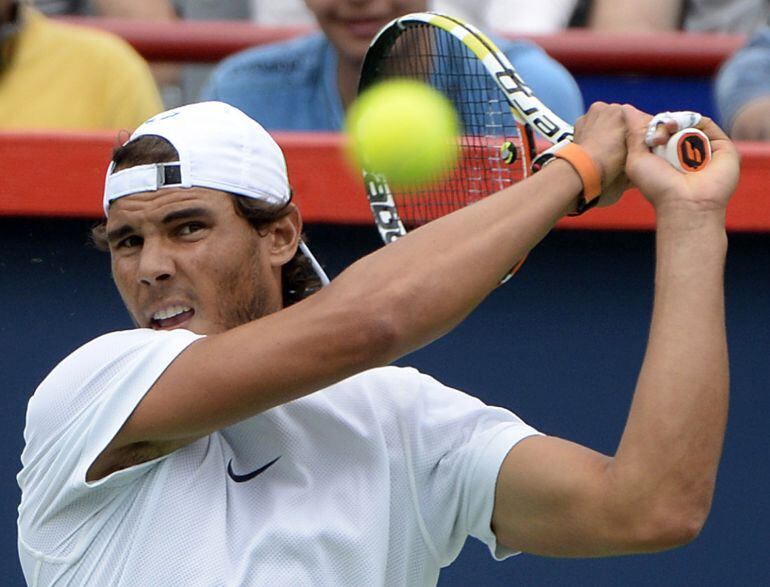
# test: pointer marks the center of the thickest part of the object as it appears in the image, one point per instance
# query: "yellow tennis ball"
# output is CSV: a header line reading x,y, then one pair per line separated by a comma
x,y
403,129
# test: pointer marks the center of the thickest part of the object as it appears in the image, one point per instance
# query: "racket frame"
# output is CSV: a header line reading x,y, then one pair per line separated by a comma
x,y
527,110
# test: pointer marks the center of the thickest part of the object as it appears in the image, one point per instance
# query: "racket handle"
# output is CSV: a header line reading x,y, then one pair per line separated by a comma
x,y
688,150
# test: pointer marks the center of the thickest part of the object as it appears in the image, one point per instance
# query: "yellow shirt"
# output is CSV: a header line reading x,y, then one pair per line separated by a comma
x,y
67,77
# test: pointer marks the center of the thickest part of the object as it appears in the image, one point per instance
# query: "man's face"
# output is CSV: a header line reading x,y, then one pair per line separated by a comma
x,y
350,25
183,258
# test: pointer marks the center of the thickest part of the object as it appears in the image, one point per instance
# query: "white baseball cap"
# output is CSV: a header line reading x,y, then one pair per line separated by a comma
x,y
219,148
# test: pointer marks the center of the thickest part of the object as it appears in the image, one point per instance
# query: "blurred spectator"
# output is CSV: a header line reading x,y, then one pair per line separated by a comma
x,y
724,16
742,90
505,16
60,76
502,16
308,82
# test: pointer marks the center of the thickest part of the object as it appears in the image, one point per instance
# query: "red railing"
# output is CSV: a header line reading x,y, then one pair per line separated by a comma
x,y
62,174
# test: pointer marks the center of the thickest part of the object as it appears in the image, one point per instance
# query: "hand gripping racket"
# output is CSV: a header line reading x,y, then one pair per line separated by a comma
x,y
498,112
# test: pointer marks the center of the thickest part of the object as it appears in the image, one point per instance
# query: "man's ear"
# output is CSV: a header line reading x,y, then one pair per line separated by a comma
x,y
284,237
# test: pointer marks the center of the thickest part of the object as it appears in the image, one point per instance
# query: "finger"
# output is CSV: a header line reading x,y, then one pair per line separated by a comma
x,y
722,148
664,124
712,130
662,132
637,128
598,105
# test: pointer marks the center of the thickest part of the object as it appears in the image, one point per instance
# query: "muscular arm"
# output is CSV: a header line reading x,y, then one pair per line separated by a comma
x,y
380,308
384,306
557,498
643,17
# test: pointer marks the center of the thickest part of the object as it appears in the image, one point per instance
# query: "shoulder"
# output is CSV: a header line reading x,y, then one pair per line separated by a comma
x,y
114,346
530,58
86,373
392,378
406,391
277,63
519,49
549,79
759,43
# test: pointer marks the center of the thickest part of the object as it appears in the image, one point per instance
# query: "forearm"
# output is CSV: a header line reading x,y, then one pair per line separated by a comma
x,y
670,449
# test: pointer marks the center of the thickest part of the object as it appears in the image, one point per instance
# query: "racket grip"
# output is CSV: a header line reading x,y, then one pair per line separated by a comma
x,y
688,150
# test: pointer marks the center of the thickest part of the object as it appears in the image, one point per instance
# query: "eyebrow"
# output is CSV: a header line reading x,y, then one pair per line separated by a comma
x,y
186,213
176,215
119,233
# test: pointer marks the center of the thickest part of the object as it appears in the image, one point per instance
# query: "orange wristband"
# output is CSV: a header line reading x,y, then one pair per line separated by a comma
x,y
589,174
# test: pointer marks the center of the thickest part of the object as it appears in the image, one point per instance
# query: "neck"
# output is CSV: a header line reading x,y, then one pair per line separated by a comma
x,y
348,72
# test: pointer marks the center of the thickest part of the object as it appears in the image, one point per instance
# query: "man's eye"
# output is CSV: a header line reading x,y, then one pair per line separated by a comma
x,y
129,242
190,228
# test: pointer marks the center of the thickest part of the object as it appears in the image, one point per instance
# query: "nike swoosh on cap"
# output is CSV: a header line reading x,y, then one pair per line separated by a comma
x,y
248,476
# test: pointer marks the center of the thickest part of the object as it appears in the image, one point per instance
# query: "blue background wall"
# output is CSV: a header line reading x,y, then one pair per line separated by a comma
x,y
651,93
560,345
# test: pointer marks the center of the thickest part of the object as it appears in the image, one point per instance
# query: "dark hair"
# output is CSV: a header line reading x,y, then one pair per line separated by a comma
x,y
298,278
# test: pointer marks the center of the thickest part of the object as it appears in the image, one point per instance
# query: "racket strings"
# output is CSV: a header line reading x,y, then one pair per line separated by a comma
x,y
441,60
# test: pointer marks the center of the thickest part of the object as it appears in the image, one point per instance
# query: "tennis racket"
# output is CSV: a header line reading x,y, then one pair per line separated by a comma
x,y
499,114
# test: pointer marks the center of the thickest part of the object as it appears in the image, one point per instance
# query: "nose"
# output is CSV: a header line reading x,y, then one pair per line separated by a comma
x,y
156,263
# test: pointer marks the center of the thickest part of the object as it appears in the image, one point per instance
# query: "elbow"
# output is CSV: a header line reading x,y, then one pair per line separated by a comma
x,y
381,336
678,530
392,322
381,322
670,526
368,334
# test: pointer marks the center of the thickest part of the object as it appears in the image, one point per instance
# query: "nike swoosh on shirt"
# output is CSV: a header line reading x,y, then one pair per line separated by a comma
x,y
248,476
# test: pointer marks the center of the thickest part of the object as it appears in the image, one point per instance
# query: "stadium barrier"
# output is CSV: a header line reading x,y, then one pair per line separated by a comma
x,y
582,52
61,175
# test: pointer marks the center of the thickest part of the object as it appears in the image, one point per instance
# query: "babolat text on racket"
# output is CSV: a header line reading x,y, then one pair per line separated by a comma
x,y
498,112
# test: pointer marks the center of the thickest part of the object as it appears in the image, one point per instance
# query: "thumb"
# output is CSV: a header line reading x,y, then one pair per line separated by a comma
x,y
653,175
636,125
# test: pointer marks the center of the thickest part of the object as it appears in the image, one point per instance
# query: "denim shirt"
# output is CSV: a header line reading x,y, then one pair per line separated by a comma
x,y
292,85
744,77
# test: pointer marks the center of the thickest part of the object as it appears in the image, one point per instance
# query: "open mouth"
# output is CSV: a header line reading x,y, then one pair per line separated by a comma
x,y
171,317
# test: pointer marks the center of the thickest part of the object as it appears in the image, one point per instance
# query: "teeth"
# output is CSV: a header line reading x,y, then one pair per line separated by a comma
x,y
170,312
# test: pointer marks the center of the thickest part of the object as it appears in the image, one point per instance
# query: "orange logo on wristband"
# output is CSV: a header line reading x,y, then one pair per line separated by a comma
x,y
693,152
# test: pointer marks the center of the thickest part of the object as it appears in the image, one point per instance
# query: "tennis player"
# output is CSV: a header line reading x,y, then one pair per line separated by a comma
x,y
248,433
